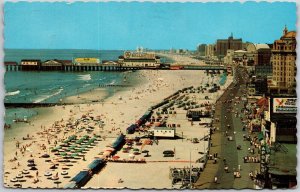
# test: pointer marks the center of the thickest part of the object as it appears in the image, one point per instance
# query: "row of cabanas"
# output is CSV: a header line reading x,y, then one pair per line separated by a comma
x,y
131,129
84,176
117,144
94,167
166,100
159,104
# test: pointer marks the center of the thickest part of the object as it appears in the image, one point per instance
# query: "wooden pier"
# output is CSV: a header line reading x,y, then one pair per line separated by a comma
x,y
71,68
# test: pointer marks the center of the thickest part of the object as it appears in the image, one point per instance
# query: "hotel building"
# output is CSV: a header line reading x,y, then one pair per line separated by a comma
x,y
223,45
284,63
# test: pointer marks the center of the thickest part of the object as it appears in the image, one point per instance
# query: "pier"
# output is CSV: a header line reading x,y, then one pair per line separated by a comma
x,y
69,68
103,67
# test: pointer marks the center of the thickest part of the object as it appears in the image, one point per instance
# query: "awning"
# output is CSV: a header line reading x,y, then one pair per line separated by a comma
x,y
260,136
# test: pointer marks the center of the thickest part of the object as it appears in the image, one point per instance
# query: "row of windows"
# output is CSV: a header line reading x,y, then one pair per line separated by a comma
x,y
161,131
284,47
283,59
286,68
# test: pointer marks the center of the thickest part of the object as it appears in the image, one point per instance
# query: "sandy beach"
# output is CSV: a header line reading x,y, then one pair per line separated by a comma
x,y
182,59
50,128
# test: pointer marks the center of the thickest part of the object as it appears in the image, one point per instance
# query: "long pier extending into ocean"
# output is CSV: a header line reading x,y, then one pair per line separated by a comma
x,y
74,68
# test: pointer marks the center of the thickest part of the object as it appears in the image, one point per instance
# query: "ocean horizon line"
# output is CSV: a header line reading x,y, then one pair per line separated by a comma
x,y
42,49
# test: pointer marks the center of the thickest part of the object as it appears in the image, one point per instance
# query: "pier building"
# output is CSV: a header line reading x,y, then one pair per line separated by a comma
x,y
139,59
30,64
86,61
51,65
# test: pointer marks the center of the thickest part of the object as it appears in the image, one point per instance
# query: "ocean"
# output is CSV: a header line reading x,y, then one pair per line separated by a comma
x,y
62,54
51,86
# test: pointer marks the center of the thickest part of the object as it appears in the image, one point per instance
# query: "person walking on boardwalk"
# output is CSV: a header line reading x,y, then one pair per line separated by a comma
x,y
224,160
216,179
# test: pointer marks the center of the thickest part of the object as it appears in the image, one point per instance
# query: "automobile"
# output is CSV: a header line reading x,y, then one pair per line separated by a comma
x,y
168,152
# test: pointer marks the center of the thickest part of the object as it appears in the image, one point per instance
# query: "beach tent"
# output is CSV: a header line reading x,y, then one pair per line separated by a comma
x,y
81,178
96,165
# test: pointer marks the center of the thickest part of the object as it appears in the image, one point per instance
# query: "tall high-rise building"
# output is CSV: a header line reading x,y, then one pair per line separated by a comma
x,y
209,50
223,45
283,60
201,49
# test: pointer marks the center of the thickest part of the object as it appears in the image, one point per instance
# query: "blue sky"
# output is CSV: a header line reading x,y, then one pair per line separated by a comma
x,y
119,26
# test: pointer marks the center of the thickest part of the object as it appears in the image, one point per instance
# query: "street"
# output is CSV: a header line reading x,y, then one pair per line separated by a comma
x,y
228,111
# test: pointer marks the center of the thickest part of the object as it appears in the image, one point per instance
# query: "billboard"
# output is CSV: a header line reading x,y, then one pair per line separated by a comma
x,y
138,55
87,60
30,62
285,105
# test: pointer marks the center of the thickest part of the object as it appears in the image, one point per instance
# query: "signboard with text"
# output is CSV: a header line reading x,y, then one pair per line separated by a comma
x,y
138,55
284,105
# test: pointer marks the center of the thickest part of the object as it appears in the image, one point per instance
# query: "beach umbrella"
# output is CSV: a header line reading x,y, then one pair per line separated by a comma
x,y
135,149
33,168
70,148
64,172
53,167
63,154
47,173
19,176
14,180
72,137
145,151
115,157
57,182
45,156
79,150
25,171
74,154
31,165
30,161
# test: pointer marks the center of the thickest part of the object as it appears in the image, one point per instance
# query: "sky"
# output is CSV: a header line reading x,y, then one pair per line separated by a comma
x,y
121,26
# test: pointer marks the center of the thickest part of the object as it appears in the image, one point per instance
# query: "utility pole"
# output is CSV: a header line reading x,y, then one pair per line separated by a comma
x,y
190,169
